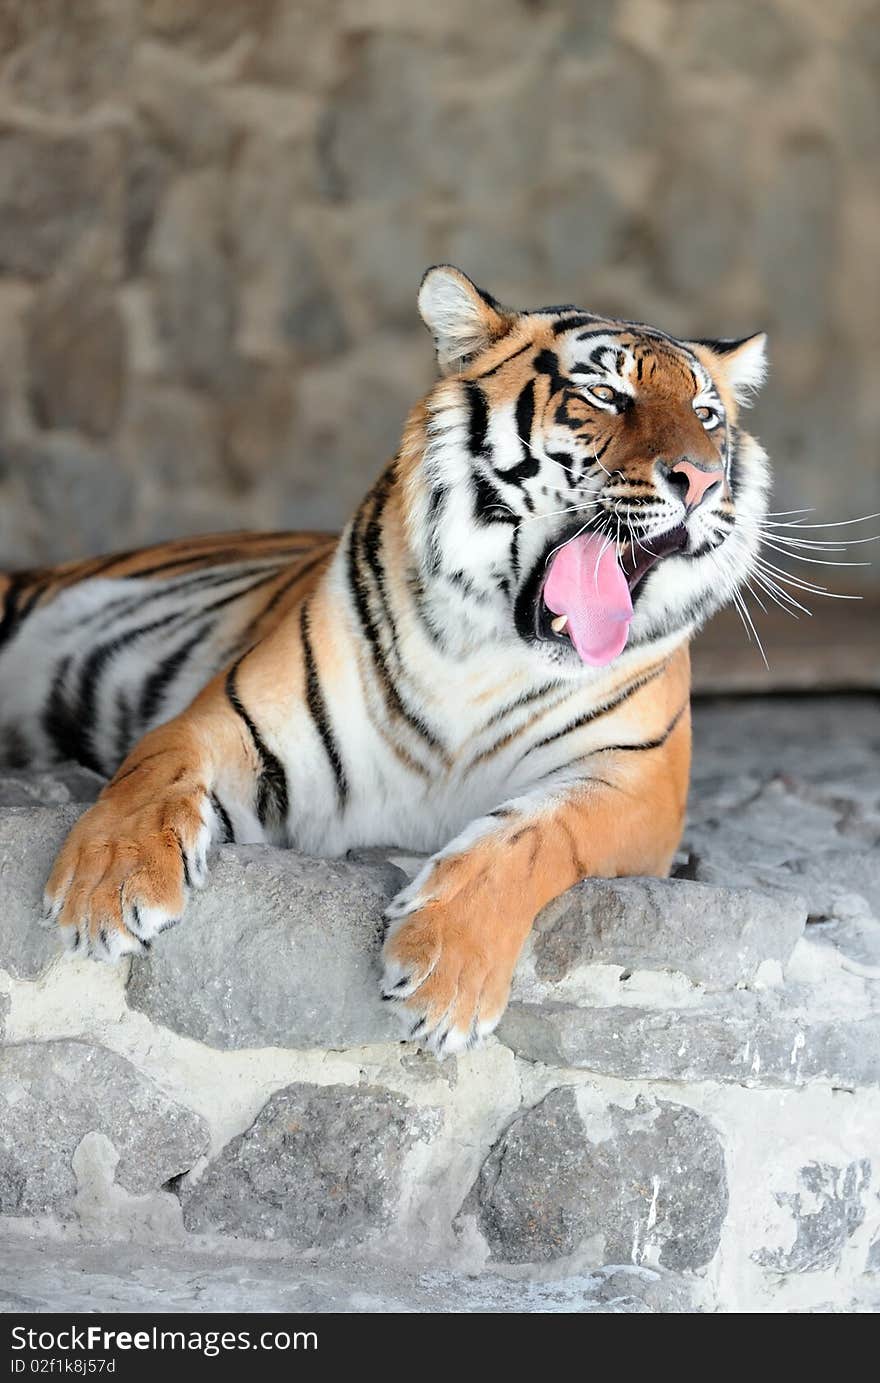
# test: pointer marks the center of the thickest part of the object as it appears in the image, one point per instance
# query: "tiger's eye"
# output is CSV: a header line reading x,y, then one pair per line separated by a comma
x,y
604,392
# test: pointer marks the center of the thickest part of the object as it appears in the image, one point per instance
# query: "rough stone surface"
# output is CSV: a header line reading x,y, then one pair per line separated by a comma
x,y
67,1090
716,936
827,1209
304,935
29,841
76,354
753,1039
652,1178
269,180
319,1167
687,1081
47,1277
27,787
76,484
53,189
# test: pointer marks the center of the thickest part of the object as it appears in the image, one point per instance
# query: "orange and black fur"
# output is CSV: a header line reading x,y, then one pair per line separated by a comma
x,y
407,683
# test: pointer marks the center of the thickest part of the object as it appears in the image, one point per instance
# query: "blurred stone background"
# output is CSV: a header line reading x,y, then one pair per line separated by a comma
x,y
214,217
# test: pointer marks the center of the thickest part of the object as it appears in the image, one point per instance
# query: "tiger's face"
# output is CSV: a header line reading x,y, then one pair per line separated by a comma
x,y
588,486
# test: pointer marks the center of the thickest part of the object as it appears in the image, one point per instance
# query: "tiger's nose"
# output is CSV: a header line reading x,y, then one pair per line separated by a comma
x,y
692,482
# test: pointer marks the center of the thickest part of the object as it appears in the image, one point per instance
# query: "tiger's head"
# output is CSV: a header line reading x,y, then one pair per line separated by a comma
x,y
583,483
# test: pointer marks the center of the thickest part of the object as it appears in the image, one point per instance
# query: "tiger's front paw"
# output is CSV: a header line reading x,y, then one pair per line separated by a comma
x,y
449,970
117,883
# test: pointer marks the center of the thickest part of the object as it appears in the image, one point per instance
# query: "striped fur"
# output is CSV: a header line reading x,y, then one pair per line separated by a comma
x,y
401,684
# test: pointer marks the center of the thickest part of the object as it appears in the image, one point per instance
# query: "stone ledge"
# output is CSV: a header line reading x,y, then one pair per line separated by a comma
x,y
40,1277
279,950
766,1040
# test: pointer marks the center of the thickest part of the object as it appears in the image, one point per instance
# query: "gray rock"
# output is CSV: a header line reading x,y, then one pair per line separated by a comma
x,y
766,46
793,238
741,1039
63,783
826,1211
47,1276
827,877
82,494
699,240
577,228
285,949
76,354
202,27
53,188
29,841
195,293
53,1093
655,1179
589,27
716,936
69,57
310,317
830,742
320,1166
172,435
378,130
148,172
787,836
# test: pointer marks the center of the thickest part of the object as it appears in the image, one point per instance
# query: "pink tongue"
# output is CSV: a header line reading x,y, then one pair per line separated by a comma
x,y
585,582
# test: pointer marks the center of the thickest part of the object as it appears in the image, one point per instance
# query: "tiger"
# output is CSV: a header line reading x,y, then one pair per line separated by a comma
x,y
489,666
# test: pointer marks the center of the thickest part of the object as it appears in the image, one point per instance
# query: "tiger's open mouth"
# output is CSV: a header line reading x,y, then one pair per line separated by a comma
x,y
637,558
587,596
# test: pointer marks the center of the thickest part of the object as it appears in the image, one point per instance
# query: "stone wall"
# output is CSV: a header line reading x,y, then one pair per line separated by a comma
x,y
214,217
680,1110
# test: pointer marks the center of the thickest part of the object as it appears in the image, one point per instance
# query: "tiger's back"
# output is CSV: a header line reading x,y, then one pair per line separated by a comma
x,y
93,654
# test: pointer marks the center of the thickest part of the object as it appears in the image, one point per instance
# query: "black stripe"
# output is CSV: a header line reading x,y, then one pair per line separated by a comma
x,y
278,596
489,507
547,363
160,679
514,552
70,727
478,419
360,597
15,752
417,593
525,417
645,744
506,361
10,616
272,794
520,703
123,605
318,709
508,738
371,549
64,731
225,820
209,558
567,324
596,713
124,731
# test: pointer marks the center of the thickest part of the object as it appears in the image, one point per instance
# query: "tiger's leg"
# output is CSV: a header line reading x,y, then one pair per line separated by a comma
x,y
123,873
456,932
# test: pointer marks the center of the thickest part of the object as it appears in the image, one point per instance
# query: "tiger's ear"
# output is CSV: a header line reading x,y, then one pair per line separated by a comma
x,y
741,364
462,319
